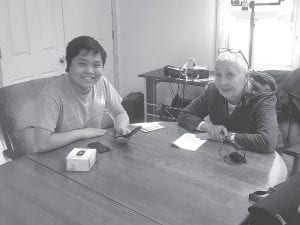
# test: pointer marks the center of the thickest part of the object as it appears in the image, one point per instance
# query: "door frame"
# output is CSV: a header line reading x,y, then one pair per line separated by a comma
x,y
115,36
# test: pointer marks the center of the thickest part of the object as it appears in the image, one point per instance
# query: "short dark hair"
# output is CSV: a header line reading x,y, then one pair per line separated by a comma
x,y
83,42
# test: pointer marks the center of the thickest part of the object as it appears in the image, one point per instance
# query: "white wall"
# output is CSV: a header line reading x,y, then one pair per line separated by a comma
x,y
155,33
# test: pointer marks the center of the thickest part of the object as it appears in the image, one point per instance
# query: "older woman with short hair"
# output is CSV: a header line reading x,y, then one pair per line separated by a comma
x,y
240,105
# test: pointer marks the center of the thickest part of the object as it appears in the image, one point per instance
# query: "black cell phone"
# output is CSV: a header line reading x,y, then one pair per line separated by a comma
x,y
101,148
133,132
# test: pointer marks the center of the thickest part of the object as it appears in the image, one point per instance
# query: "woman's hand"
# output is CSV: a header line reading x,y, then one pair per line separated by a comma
x,y
204,136
217,132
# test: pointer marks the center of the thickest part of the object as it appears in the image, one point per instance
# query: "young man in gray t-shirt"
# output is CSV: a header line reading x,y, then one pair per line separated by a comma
x,y
71,107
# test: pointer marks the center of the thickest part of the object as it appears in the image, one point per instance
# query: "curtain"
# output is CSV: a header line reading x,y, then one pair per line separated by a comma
x,y
223,22
275,38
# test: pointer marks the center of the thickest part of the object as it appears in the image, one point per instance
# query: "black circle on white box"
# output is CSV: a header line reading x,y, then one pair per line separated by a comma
x,y
80,153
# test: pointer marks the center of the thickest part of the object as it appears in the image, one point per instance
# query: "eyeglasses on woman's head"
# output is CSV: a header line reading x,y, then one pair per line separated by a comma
x,y
233,50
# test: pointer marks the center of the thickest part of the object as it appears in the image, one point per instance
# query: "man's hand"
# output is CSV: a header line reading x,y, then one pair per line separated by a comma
x,y
92,132
46,140
122,131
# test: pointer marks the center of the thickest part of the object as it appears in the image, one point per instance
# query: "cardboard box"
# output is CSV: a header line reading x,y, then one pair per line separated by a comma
x,y
81,159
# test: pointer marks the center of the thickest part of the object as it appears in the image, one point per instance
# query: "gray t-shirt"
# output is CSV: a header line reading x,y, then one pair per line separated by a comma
x,y
60,108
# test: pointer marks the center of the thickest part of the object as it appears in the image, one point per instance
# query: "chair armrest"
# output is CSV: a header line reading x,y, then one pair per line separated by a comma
x,y
11,155
294,150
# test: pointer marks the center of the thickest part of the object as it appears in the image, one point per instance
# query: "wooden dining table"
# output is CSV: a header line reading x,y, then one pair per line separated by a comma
x,y
32,194
152,180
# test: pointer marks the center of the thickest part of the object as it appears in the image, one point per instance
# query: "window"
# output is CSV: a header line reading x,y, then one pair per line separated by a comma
x,y
275,37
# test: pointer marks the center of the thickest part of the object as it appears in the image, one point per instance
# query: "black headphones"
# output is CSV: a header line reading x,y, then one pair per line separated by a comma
x,y
235,158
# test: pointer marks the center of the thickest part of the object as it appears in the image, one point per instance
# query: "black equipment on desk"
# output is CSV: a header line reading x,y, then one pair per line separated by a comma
x,y
167,113
173,71
178,102
170,113
200,72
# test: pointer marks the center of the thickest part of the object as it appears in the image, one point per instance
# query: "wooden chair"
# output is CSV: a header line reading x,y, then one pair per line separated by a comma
x,y
16,113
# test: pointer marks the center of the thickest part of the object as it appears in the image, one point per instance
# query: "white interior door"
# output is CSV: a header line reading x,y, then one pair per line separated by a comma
x,y
93,18
31,39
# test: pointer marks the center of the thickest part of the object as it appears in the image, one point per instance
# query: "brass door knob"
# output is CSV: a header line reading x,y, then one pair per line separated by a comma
x,y
62,59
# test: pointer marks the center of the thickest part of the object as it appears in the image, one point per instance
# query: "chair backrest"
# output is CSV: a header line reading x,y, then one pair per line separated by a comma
x,y
290,130
16,113
288,112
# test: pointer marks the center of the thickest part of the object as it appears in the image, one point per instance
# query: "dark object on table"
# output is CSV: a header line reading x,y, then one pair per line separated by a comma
x,y
237,157
200,72
101,148
173,71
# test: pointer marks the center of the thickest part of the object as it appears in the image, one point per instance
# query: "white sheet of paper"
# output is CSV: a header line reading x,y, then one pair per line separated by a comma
x,y
151,126
188,142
